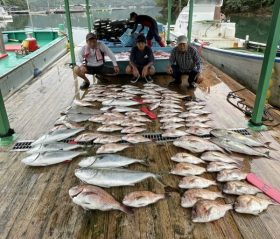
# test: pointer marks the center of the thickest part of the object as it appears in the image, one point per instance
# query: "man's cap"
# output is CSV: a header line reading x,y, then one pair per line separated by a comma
x,y
91,36
182,39
141,38
133,14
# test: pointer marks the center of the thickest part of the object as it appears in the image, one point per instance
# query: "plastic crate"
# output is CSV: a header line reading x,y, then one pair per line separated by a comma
x,y
127,39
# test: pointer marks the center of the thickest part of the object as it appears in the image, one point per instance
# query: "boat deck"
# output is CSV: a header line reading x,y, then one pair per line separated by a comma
x,y
35,201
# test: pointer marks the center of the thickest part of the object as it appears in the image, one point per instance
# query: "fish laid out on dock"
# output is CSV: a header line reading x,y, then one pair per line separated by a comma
x,y
57,135
108,161
82,103
186,158
195,182
214,156
78,118
174,133
95,198
50,158
231,175
114,177
135,139
133,130
86,137
219,166
120,102
142,198
240,188
111,148
107,139
250,204
55,146
186,169
109,128
192,196
208,210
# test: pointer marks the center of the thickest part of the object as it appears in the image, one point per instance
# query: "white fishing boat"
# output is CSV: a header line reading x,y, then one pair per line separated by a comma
x,y
214,37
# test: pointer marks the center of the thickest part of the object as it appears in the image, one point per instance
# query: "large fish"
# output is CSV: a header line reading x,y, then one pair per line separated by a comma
x,y
120,102
213,156
111,148
108,161
95,198
250,204
234,146
192,196
185,169
186,158
219,166
208,210
142,198
240,188
195,144
231,175
135,139
234,136
57,135
41,148
112,177
195,182
49,158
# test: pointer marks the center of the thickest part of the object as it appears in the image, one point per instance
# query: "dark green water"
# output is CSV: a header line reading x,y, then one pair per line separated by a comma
x,y
256,27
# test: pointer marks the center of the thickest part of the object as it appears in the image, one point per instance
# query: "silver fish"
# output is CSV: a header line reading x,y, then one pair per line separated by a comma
x,y
112,177
107,139
200,112
86,137
131,123
200,119
142,198
123,109
132,130
186,169
78,117
49,158
111,148
231,175
172,125
172,106
250,204
192,196
239,188
198,124
198,131
195,107
57,135
109,128
120,102
82,110
186,158
151,101
237,137
233,146
219,166
98,118
167,115
213,156
195,182
91,197
170,110
173,133
171,120
41,148
195,144
82,103
135,139
135,114
188,115
154,105
195,103
141,119
108,161
208,210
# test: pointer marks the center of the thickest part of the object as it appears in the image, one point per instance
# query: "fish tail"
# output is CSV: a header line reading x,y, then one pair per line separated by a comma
x,y
126,209
166,195
267,145
145,162
159,180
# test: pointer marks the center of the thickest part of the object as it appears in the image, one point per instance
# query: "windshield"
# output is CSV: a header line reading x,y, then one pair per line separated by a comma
x,y
209,2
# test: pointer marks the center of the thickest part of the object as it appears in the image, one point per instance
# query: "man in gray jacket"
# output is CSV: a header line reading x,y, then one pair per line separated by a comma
x,y
91,60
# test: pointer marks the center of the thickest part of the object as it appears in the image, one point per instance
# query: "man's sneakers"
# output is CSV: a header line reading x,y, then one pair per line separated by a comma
x,y
135,79
84,85
148,79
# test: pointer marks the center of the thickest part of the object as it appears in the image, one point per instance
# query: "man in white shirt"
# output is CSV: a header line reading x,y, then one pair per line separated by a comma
x,y
91,60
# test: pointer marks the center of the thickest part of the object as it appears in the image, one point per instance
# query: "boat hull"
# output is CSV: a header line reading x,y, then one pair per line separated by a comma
x,y
243,67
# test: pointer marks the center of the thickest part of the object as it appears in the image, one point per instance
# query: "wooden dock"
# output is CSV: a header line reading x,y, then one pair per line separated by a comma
x,y
35,203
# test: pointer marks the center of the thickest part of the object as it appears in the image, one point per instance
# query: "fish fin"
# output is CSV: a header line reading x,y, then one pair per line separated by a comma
x,y
267,145
267,155
126,209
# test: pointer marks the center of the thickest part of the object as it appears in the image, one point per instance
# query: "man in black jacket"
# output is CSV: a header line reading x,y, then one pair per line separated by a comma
x,y
147,21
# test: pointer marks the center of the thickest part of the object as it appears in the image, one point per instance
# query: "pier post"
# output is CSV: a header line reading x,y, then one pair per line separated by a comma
x,y
190,21
168,21
6,133
268,63
70,35
88,15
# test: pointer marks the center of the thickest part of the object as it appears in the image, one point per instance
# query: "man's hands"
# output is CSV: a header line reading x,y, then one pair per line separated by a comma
x,y
145,71
135,71
116,69
83,69
169,70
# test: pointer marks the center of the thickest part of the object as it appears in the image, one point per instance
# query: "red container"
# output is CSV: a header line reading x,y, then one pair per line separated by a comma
x,y
32,44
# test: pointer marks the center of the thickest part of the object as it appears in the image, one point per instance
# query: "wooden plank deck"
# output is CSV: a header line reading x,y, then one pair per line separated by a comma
x,y
35,201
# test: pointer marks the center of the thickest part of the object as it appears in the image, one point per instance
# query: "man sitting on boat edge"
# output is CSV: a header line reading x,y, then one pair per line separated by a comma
x,y
141,61
185,60
91,60
147,21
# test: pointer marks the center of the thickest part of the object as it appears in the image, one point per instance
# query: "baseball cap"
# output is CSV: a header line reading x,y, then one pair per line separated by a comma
x,y
91,36
141,38
182,39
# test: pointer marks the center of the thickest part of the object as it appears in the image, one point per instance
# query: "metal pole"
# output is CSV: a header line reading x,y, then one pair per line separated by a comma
x,y
70,35
268,63
169,19
5,130
88,15
190,20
